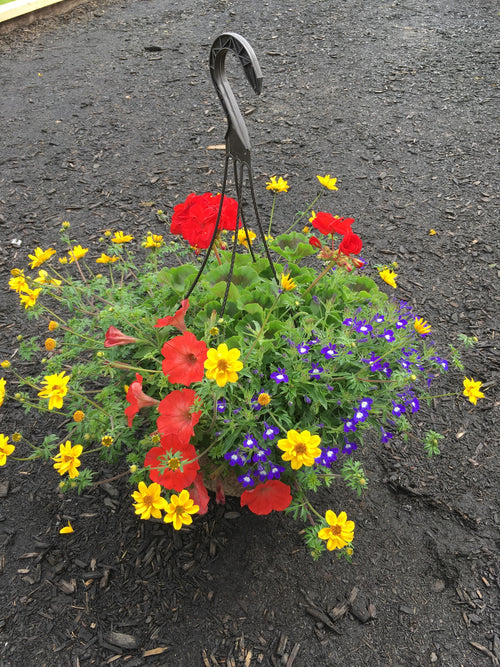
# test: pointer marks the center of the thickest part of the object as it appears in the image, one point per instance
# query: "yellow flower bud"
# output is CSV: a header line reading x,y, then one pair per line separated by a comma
x,y
133,468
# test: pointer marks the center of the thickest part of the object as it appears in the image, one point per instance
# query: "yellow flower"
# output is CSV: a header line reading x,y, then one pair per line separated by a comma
x,y
287,283
30,297
79,416
279,185
77,253
5,363
214,331
106,441
5,449
18,283
53,325
339,531
388,277
432,232
40,256
422,327
106,259
222,365
328,182
67,460
306,229
17,272
2,390
63,260
242,237
301,448
120,237
65,225
16,437
50,344
67,529
179,510
149,501
313,216
55,390
263,399
45,279
472,390
153,241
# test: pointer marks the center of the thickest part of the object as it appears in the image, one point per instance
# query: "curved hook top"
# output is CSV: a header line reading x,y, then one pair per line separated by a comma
x,y
237,139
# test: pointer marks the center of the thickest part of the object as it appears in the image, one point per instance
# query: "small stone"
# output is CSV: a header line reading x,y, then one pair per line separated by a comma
x,y
433,657
122,640
438,586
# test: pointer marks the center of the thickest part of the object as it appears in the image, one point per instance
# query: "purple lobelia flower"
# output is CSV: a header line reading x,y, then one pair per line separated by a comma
x,y
303,348
349,447
397,409
249,441
234,458
246,479
270,432
330,351
279,376
315,371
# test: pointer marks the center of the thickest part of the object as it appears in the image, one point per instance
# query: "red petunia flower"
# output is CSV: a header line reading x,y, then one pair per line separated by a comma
x,y
116,337
184,359
176,320
137,399
177,415
195,218
173,464
264,498
199,494
351,244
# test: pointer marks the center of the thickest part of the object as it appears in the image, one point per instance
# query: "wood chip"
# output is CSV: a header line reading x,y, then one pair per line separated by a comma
x,y
217,147
155,651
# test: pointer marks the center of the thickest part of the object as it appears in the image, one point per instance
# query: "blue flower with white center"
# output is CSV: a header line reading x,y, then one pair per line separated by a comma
x,y
249,441
378,318
234,458
303,348
315,371
279,376
260,474
330,351
270,432
386,436
414,404
404,363
349,447
349,425
362,327
360,415
442,362
348,321
388,335
401,323
386,369
373,362
246,480
397,409
366,403
261,455
221,404
328,456
275,471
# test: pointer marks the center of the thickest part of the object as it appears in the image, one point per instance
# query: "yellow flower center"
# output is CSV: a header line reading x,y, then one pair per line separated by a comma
x,y
336,530
222,365
174,464
300,448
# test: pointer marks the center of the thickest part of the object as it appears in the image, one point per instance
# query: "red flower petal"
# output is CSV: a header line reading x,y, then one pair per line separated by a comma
x,y
315,242
116,337
177,453
176,320
176,414
137,399
199,494
195,218
323,222
351,244
342,225
184,359
272,495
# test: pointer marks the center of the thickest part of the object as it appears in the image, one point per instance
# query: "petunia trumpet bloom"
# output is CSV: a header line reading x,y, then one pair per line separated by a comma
x,y
184,359
137,399
176,320
264,498
116,337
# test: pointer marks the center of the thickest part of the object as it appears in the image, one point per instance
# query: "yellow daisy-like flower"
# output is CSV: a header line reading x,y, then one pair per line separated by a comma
x,y
472,390
77,253
53,325
106,441
222,365
153,241
279,185
106,259
328,182
306,229
242,237
313,216
40,256
63,260
50,344
16,437
5,363
29,297
263,399
78,416
18,283
2,390
67,529
301,448
179,510
55,390
120,237
45,279
421,326
287,283
65,224
432,232
5,449
388,277
149,501
67,460
339,531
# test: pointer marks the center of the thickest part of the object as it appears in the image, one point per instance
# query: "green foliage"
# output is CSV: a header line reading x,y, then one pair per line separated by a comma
x,y
431,443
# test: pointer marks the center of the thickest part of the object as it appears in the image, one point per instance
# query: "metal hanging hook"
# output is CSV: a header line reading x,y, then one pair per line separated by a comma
x,y
237,143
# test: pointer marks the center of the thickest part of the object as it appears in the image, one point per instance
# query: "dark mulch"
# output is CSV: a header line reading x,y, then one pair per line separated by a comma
x,y
106,115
